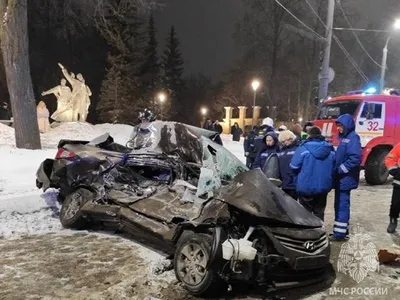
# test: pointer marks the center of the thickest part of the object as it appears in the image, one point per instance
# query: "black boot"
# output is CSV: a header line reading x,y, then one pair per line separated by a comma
x,y
392,225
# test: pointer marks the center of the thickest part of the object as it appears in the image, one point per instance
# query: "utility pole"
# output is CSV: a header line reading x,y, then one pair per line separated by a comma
x,y
324,81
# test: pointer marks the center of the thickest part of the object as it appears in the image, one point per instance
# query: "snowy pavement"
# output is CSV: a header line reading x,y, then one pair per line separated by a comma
x,y
40,260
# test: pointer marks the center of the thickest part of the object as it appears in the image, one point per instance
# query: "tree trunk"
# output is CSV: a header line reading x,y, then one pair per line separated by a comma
x,y
15,50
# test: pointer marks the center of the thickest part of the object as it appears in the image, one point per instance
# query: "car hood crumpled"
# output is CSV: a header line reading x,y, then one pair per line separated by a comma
x,y
253,193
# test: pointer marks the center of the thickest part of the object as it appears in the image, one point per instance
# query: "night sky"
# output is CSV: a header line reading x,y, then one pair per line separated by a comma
x,y
205,29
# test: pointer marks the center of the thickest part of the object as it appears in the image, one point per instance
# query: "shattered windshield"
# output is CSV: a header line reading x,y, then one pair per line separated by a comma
x,y
192,145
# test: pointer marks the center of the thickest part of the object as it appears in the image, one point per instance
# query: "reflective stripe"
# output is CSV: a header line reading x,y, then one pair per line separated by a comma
x,y
340,224
340,230
305,152
293,167
397,182
344,169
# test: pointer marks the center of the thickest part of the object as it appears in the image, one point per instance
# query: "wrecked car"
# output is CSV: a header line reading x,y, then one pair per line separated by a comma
x,y
172,188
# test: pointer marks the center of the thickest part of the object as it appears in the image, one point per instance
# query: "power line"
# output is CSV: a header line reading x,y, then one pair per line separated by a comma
x,y
358,40
341,46
362,74
300,21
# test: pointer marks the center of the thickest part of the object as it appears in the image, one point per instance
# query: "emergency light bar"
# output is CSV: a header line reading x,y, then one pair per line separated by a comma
x,y
368,91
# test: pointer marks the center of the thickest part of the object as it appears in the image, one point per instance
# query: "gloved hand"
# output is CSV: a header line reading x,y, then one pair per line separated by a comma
x,y
246,154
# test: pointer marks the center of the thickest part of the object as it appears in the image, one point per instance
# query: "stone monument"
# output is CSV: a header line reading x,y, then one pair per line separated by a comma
x,y
80,95
72,105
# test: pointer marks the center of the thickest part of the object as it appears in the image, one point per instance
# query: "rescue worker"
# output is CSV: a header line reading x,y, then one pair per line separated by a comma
x,y
249,149
347,177
141,135
314,162
392,163
267,126
306,127
289,144
271,146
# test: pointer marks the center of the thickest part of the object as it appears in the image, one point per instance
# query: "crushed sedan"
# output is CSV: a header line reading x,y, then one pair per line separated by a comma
x,y
171,187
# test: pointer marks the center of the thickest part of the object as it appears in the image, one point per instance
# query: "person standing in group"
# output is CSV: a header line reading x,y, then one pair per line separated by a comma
x,y
266,127
347,167
5,114
249,148
314,164
270,146
392,161
218,129
289,144
208,124
298,131
236,132
306,127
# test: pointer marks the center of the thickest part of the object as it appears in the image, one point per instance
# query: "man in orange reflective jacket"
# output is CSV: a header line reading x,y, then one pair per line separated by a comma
x,y
392,163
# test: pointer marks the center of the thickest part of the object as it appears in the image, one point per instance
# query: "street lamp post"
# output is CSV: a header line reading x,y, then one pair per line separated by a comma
x,y
255,85
161,97
203,111
396,26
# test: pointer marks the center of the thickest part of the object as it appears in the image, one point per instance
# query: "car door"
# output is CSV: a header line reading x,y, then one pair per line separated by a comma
x,y
370,122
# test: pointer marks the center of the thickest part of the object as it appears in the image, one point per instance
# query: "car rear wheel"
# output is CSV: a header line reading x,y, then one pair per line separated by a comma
x,y
375,169
190,265
71,215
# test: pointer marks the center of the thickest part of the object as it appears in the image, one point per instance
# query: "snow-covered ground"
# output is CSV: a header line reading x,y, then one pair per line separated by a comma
x,y
36,250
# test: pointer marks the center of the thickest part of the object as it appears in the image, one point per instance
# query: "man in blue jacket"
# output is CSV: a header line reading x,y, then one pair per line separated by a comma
x,y
348,161
314,162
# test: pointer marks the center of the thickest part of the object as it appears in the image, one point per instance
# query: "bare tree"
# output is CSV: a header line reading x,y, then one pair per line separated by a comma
x,y
15,50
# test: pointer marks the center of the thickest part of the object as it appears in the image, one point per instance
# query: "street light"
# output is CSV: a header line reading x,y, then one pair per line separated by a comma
x,y
203,111
255,85
161,96
396,26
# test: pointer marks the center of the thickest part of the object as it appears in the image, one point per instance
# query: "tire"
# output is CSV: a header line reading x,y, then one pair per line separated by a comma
x,y
207,283
70,215
376,172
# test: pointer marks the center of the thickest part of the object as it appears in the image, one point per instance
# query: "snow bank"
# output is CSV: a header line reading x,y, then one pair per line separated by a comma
x,y
23,208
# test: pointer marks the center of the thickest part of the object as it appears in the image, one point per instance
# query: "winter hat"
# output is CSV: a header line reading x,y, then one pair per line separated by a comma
x,y
285,135
268,121
314,132
308,124
282,128
147,114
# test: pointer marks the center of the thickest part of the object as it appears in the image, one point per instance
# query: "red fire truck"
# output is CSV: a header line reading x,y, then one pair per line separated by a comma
x,y
377,119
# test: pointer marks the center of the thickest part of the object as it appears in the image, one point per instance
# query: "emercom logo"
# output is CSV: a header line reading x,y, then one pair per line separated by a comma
x,y
358,256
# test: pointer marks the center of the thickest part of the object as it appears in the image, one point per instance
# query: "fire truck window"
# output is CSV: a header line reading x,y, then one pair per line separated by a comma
x,y
334,110
376,113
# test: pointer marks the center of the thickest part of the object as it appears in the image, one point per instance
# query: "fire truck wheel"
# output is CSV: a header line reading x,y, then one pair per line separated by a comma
x,y
375,169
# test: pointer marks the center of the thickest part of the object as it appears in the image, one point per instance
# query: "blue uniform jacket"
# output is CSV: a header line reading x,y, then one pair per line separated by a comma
x,y
259,141
263,155
348,155
288,177
314,161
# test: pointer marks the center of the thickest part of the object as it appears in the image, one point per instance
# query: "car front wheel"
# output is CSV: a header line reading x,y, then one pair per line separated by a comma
x,y
190,263
71,215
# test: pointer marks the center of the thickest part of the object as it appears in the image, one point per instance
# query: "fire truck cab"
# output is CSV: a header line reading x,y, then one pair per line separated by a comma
x,y
377,119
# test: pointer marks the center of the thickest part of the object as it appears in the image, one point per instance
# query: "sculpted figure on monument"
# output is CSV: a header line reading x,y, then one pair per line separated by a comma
x,y
80,95
64,102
